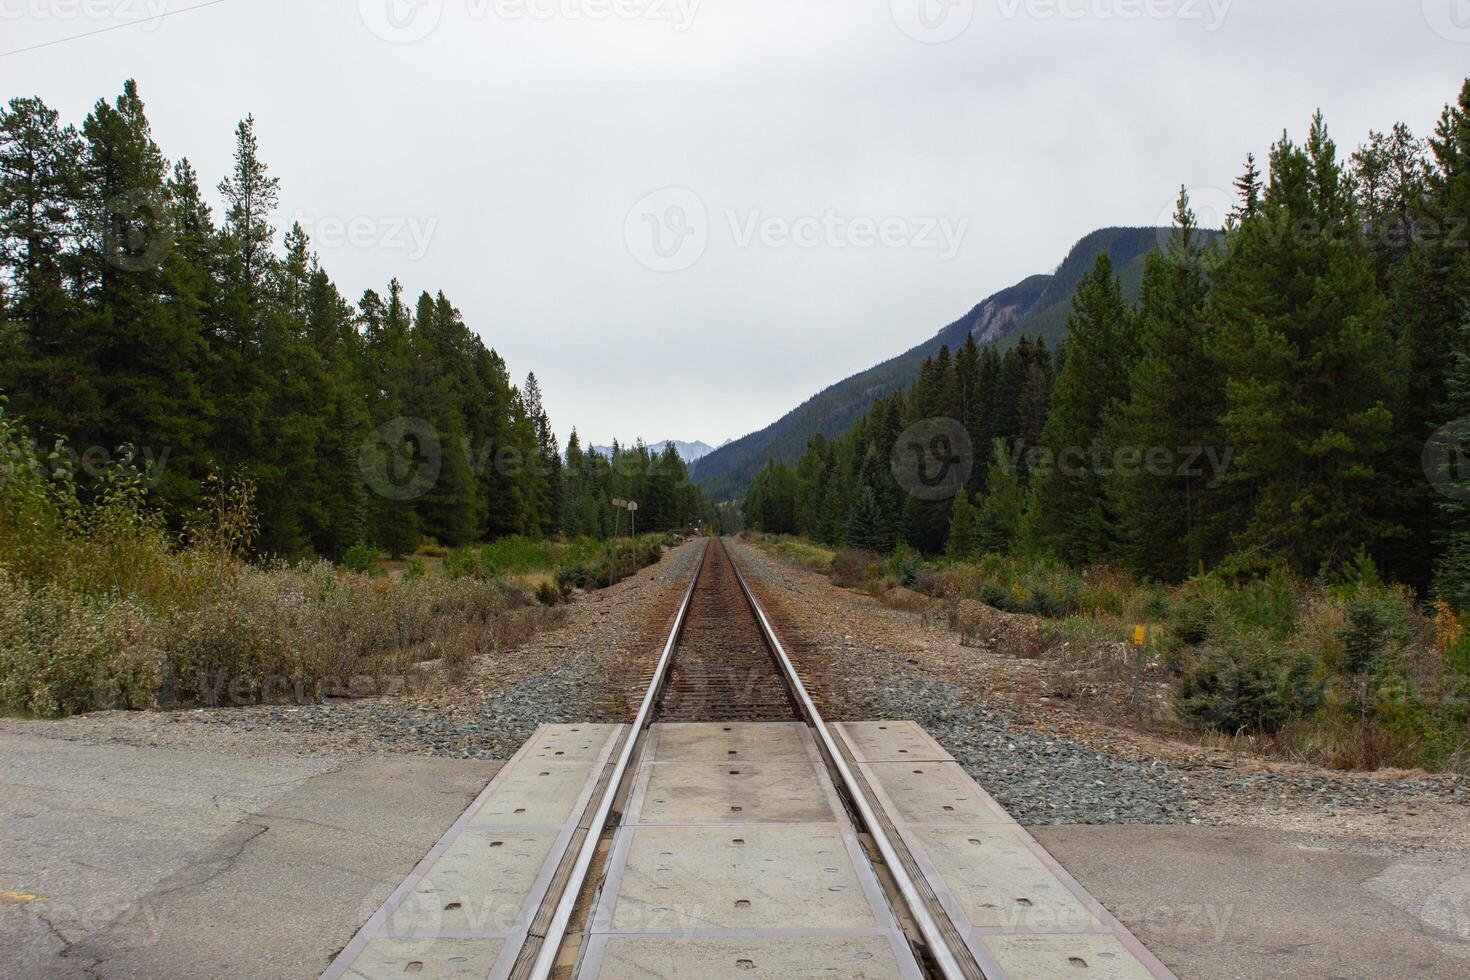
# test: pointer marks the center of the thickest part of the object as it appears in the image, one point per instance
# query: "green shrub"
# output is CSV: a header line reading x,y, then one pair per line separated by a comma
x,y
616,562
1267,604
578,575
1192,617
1366,638
1045,603
216,653
1104,592
904,565
360,558
61,654
463,563
1248,686
1457,654
995,595
415,571
102,606
548,594
518,555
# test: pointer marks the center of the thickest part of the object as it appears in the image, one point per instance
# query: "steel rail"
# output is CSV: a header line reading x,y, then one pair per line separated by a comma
x,y
556,932
938,945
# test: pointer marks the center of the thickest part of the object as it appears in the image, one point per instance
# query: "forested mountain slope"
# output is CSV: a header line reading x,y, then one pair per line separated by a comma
x,y
1037,305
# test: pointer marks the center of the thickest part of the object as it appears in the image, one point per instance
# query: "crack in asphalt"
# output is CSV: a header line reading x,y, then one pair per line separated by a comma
x,y
101,945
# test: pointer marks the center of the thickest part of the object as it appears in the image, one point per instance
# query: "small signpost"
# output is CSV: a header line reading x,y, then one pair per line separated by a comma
x,y
631,506
1140,643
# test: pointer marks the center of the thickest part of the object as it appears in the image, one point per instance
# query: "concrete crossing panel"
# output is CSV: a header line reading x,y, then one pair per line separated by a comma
x,y
1093,957
1022,915
478,886
469,902
750,877
735,792
736,858
803,958
438,957
733,742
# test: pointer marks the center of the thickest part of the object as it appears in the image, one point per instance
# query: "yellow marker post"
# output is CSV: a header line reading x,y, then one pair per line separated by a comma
x,y
1140,642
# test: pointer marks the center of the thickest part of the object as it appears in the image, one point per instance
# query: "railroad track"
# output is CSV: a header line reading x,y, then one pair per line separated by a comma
x,y
724,662
729,828
723,668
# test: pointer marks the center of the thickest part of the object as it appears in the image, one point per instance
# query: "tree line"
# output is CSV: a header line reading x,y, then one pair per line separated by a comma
x,y
132,318
1292,391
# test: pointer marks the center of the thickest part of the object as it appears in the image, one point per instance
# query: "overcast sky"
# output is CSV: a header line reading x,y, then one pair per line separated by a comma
x,y
688,216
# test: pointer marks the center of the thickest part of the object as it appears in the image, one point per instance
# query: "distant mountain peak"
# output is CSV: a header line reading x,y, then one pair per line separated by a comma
x,y
690,452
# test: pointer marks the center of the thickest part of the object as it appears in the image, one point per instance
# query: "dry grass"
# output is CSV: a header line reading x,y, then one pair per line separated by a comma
x,y
102,607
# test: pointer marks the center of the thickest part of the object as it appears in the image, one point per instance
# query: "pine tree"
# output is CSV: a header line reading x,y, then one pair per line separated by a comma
x,y
143,346
1176,397
548,454
967,382
1452,569
981,424
964,532
338,517
504,506
1073,520
1015,368
251,195
998,524
1438,343
1248,192
42,370
866,526
238,377
1302,340
575,481
809,488
449,512
391,459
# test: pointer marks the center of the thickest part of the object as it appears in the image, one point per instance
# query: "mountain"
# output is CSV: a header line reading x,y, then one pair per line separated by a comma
x,y
690,452
1036,306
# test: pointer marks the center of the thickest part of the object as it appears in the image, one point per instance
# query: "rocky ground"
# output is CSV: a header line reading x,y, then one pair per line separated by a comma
x,y
1050,763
